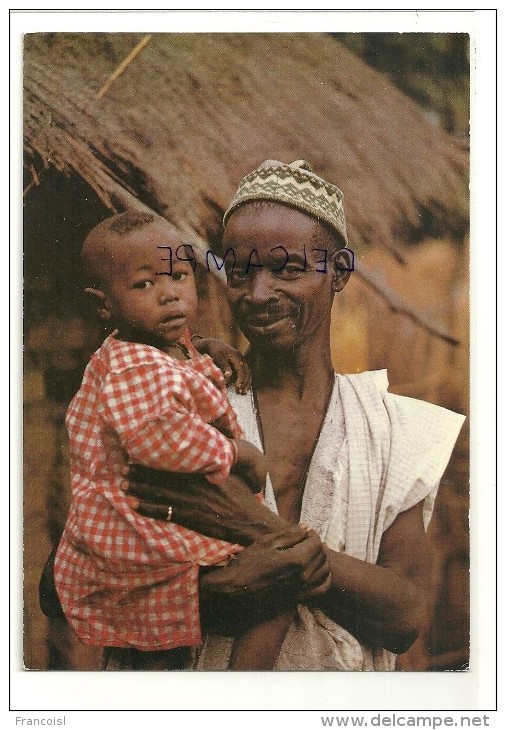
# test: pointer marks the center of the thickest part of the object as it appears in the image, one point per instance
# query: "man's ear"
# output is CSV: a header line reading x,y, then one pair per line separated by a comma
x,y
99,300
344,264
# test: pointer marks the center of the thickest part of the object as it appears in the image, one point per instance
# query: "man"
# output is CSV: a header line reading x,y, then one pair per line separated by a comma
x,y
356,464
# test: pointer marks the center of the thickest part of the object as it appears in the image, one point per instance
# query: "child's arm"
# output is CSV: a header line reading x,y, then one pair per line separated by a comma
x,y
228,359
153,415
250,464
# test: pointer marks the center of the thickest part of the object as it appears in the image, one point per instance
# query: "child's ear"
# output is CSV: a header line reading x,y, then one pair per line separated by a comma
x,y
344,264
99,301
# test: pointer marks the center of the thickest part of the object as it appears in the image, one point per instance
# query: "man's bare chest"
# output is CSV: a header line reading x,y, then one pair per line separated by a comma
x,y
289,437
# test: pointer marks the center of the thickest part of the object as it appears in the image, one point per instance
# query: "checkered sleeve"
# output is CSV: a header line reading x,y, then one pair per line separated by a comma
x,y
156,419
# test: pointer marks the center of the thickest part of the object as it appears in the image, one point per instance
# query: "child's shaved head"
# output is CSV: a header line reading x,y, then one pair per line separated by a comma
x,y
123,259
98,251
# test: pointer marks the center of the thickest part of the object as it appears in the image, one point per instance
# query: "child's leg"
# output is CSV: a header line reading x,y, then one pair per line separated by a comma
x,y
165,659
259,647
115,659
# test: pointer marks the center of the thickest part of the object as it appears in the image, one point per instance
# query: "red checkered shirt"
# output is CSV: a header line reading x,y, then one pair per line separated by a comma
x,y
125,580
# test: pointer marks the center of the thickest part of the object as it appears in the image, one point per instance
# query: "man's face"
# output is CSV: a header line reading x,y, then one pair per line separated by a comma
x,y
288,299
147,305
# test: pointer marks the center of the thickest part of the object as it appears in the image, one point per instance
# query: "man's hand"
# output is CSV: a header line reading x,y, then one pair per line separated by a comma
x,y
291,562
228,359
270,576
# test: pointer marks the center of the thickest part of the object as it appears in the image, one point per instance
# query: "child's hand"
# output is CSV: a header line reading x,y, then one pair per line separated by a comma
x,y
250,465
229,360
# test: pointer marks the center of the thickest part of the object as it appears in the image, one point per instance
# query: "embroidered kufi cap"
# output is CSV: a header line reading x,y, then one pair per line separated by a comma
x,y
294,185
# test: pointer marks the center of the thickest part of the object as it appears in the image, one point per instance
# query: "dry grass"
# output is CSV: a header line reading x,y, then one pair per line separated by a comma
x,y
192,113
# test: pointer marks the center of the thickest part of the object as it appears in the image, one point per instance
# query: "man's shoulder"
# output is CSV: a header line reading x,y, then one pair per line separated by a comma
x,y
370,379
370,390
364,391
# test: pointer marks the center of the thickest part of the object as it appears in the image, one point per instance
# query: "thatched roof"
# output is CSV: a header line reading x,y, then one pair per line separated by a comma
x,y
192,113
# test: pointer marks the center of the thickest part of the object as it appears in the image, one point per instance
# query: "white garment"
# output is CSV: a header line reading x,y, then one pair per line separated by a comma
x,y
377,455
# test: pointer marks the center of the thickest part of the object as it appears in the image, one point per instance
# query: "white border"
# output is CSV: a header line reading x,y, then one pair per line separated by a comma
x,y
324,693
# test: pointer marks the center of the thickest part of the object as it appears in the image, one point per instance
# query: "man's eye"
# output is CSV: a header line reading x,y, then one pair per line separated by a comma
x,y
290,271
144,284
235,276
179,276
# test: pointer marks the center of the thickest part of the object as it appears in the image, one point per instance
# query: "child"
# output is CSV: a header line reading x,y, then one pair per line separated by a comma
x,y
147,396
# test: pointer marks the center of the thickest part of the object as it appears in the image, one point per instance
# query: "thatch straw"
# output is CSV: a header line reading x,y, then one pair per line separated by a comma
x,y
185,119
193,113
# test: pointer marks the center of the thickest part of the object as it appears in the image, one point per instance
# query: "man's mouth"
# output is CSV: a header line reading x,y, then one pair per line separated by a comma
x,y
265,323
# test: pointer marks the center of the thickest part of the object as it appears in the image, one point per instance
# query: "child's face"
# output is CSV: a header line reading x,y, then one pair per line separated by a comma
x,y
144,305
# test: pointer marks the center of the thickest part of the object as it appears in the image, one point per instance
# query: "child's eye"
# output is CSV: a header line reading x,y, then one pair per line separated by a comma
x,y
144,284
179,276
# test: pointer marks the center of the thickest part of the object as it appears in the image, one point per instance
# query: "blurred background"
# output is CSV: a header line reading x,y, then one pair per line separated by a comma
x,y
172,122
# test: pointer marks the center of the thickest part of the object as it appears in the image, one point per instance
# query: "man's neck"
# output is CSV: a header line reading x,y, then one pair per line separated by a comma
x,y
303,372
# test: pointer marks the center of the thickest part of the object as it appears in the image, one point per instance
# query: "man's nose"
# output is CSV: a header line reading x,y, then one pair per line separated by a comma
x,y
167,292
261,288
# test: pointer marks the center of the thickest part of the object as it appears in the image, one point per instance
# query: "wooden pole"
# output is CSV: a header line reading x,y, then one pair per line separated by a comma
x,y
123,65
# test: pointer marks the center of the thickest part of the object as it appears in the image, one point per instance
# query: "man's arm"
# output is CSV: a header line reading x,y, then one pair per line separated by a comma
x,y
227,511
383,604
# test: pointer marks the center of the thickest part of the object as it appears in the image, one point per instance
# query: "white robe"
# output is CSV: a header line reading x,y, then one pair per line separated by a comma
x,y
377,455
